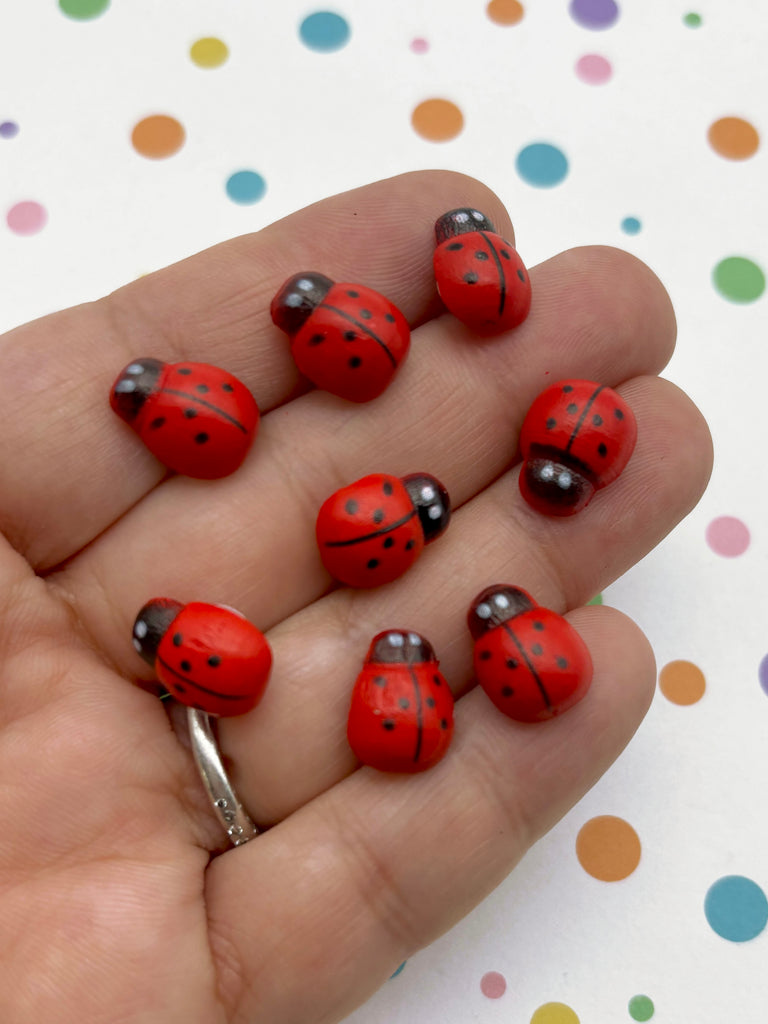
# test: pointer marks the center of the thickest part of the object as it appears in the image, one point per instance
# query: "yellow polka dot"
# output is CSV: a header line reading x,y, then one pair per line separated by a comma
x,y
733,137
158,136
608,848
682,682
437,120
209,52
554,1013
505,12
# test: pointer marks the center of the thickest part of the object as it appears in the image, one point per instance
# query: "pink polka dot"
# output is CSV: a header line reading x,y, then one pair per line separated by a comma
x,y
27,218
493,985
593,69
728,536
419,45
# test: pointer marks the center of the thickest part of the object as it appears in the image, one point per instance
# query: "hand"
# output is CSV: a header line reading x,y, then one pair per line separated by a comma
x,y
119,899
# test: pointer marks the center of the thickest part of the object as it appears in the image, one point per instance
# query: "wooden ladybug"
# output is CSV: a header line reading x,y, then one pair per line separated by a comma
x,y
372,531
480,277
576,438
401,716
347,339
207,656
196,419
530,661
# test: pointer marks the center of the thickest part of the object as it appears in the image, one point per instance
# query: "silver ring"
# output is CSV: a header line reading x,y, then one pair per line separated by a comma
x,y
230,812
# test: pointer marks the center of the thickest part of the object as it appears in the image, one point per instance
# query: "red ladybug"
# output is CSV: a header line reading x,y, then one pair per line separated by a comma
x,y
480,277
401,716
530,661
207,656
372,531
576,438
196,419
347,339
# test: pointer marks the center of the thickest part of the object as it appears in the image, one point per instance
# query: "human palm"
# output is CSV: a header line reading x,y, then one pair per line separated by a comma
x,y
119,898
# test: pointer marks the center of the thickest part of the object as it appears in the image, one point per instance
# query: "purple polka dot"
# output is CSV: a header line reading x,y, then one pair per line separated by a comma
x,y
728,536
26,218
419,45
493,985
593,69
8,130
762,674
595,14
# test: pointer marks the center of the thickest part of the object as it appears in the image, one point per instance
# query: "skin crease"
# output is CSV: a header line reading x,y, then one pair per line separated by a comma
x,y
120,902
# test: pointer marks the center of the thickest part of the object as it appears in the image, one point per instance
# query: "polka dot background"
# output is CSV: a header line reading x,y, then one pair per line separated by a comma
x,y
648,900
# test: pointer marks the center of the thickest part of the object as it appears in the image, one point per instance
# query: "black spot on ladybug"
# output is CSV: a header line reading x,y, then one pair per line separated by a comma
x,y
409,544
505,254
537,649
597,420
202,388
443,723
366,314
404,703
521,275
388,724
572,408
227,387
387,487
481,255
380,680
372,563
618,414
430,702
316,339
157,423
201,438
185,666
485,655
351,507
190,413
378,515
455,246
567,389
507,691
551,422
389,318
471,278
437,680
562,662
354,362
353,295
538,625
214,661
184,371
512,662
177,639
349,335
601,449
389,542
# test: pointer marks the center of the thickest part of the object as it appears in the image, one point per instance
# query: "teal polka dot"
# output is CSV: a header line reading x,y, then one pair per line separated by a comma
x,y
542,165
631,225
324,31
246,187
399,969
736,908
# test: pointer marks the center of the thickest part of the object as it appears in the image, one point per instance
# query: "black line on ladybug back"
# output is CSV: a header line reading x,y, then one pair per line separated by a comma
x,y
197,686
502,283
585,410
369,536
419,715
531,669
363,328
208,405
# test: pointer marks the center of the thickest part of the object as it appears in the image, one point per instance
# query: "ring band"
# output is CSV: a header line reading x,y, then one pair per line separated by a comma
x,y
228,809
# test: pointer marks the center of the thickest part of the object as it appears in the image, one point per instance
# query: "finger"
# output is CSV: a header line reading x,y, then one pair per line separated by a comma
x,y
81,467
381,865
455,412
294,746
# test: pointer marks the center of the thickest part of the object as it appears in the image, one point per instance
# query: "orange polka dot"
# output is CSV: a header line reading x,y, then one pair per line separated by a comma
x,y
734,138
158,136
437,120
608,848
505,12
682,682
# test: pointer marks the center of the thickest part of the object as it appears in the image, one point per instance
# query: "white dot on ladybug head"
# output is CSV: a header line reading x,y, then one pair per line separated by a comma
x,y
427,493
477,215
462,217
396,639
564,480
134,368
125,387
293,300
137,644
483,611
547,472
434,512
304,285
140,629
414,639
501,601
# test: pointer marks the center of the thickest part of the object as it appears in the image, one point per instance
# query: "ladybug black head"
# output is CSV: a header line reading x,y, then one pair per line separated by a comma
x,y
151,625
400,646
459,222
299,296
495,605
553,487
432,503
134,386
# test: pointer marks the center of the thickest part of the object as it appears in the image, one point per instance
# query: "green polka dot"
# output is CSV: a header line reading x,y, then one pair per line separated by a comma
x,y
641,1008
83,9
597,599
739,279
692,21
